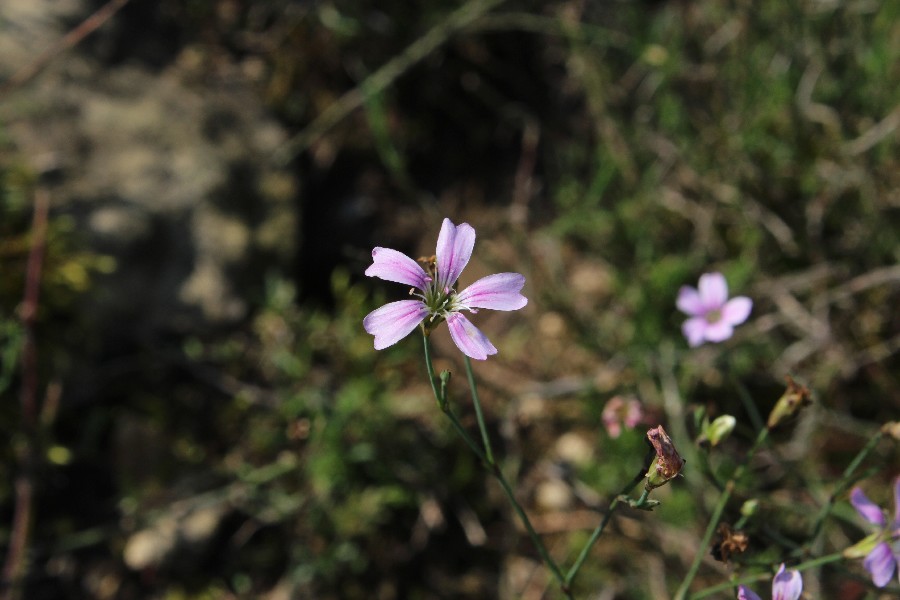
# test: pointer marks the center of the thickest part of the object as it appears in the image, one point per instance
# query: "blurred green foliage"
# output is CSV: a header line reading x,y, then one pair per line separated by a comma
x,y
68,267
334,456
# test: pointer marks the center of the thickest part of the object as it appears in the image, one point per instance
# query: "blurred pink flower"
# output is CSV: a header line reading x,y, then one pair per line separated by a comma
x,y
786,585
438,300
713,316
621,411
885,556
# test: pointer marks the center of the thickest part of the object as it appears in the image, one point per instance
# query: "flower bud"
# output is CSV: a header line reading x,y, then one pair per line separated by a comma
x,y
667,464
718,430
749,508
795,397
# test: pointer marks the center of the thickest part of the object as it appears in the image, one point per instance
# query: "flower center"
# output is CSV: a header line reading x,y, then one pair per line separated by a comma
x,y
441,301
713,316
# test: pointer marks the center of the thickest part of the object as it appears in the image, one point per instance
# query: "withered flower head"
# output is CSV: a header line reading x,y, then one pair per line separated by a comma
x,y
728,542
667,464
794,398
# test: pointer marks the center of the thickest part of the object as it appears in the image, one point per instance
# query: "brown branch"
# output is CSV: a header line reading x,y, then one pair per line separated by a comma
x,y
28,309
14,567
71,39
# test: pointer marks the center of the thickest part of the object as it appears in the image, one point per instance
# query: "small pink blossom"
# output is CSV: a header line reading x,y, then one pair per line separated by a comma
x,y
437,298
621,411
713,316
786,585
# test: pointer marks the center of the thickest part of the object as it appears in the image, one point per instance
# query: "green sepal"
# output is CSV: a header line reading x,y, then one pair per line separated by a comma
x,y
863,547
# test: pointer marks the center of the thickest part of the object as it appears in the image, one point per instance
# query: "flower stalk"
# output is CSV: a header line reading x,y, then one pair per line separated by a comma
x,y
479,414
487,455
761,438
809,564
621,497
841,486
442,402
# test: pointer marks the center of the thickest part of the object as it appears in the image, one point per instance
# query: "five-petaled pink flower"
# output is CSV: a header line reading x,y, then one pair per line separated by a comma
x,y
885,556
786,585
437,298
712,315
621,411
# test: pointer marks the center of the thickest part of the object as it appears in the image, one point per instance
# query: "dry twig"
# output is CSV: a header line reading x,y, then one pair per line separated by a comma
x,y
68,41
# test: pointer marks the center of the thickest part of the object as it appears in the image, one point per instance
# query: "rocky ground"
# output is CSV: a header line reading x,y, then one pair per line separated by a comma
x,y
164,163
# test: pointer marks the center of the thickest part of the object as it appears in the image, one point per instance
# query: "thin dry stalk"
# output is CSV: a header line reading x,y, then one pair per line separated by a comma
x,y
68,41
14,567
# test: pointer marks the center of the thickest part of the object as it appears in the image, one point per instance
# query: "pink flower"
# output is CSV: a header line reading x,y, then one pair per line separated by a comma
x,y
437,298
712,315
883,559
621,411
786,585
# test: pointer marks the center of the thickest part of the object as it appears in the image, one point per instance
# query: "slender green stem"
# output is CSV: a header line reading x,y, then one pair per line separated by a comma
x,y
812,563
441,398
535,538
749,405
487,458
645,495
485,438
842,484
854,464
613,505
717,515
740,523
465,436
673,402
707,470
570,576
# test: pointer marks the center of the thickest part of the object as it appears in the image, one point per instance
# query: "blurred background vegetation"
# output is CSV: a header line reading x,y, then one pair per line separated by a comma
x,y
214,422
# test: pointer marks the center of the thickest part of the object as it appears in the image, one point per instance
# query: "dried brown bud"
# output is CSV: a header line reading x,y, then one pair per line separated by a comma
x,y
794,398
668,462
